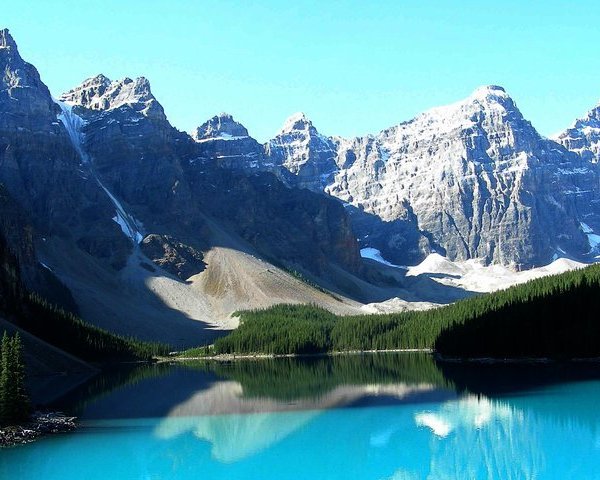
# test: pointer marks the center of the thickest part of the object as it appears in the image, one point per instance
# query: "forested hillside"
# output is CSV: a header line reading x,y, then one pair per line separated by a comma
x,y
59,328
548,317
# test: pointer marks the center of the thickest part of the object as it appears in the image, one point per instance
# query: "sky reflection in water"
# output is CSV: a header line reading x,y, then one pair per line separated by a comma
x,y
391,417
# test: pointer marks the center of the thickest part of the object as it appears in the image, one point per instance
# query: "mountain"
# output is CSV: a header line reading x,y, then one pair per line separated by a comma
x,y
146,230
141,222
306,154
583,137
469,180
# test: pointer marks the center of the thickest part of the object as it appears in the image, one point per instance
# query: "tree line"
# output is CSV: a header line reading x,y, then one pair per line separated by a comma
x,y
14,403
551,316
63,329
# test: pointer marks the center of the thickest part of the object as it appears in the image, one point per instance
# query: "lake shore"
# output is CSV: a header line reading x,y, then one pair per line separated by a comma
x,y
258,356
40,424
262,356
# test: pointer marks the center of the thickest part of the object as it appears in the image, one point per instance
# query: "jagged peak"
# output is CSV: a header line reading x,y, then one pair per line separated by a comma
x,y
462,114
221,126
588,125
101,93
296,122
487,91
99,79
6,39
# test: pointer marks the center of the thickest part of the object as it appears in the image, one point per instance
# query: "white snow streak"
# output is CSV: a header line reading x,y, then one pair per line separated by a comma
x,y
73,123
374,254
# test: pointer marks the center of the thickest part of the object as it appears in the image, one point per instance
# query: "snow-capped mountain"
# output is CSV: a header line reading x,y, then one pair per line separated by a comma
x,y
470,180
124,209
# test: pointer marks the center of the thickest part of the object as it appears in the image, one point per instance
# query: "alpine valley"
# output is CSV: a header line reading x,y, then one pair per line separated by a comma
x,y
141,229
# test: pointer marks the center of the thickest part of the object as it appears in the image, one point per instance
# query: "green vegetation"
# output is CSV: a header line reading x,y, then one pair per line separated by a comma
x,y
197,352
555,317
292,378
71,334
551,316
62,329
14,403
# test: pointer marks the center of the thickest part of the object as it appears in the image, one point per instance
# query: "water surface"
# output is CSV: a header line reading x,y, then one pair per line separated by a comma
x,y
392,416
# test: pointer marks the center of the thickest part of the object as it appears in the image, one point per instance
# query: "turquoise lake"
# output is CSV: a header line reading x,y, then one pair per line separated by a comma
x,y
386,416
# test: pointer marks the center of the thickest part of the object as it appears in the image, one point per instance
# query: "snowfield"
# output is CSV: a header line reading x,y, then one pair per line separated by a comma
x,y
470,276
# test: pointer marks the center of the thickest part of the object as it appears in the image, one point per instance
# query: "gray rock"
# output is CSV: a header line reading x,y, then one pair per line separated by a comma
x,y
469,180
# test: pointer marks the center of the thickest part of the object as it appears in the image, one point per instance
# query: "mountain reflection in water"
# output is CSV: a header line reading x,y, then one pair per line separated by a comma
x,y
388,416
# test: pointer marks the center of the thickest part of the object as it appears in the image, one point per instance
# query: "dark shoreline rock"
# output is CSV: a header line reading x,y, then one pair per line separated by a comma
x,y
40,424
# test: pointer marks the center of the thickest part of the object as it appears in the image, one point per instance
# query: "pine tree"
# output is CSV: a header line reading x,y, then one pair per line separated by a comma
x,y
14,403
4,378
20,406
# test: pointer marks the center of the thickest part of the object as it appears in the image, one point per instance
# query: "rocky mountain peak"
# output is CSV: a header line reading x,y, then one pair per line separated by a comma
x,y
489,91
296,122
221,126
6,39
21,90
488,108
100,93
583,136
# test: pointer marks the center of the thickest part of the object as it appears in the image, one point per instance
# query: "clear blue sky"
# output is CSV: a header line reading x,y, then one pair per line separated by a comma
x,y
354,67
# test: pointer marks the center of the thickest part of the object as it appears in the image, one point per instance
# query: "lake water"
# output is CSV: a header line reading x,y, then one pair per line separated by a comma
x,y
392,416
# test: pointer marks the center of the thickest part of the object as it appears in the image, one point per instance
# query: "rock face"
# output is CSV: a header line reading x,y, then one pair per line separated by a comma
x,y
469,180
302,151
583,137
164,183
129,146
173,256
38,164
227,142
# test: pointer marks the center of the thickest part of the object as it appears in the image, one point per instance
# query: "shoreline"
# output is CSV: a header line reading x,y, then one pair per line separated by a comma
x,y
39,425
227,357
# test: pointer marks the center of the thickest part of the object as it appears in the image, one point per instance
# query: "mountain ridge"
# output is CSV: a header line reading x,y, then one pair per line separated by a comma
x,y
165,234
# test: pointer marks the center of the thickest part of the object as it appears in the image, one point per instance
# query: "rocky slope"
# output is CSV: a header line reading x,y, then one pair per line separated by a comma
x,y
125,209
469,180
164,235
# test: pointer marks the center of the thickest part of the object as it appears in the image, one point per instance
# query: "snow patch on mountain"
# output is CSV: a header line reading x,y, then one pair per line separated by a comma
x,y
374,254
474,275
73,124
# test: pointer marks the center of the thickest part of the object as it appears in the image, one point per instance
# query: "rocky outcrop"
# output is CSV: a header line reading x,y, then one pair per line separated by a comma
x,y
40,424
302,151
227,142
173,256
128,145
583,137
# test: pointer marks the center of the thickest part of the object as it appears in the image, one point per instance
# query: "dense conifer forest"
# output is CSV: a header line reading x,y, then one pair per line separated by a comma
x,y
554,316
14,403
